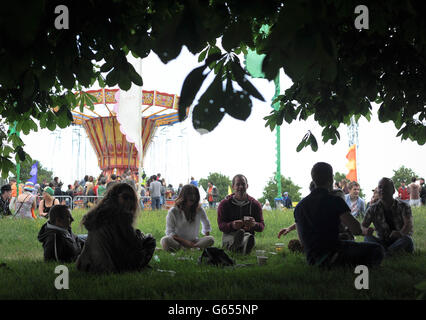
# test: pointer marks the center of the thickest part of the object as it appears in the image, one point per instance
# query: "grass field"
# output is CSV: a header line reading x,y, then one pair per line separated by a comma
x,y
24,274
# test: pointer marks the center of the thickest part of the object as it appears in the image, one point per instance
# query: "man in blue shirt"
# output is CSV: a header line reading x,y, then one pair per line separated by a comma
x,y
318,217
353,200
194,182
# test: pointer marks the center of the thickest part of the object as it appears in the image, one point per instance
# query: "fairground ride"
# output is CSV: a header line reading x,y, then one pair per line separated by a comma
x,y
107,133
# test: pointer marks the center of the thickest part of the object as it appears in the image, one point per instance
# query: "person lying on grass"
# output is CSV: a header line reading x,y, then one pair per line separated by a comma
x,y
318,217
59,243
183,222
239,216
113,244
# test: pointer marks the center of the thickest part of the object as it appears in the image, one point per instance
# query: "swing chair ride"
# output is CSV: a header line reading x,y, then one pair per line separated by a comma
x,y
106,129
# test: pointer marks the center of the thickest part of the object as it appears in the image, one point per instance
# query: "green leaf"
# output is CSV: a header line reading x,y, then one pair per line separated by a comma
x,y
303,143
203,54
112,77
239,75
207,114
190,87
134,76
313,142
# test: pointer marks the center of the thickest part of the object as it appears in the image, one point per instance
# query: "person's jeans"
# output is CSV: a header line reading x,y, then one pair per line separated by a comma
x,y
155,202
82,237
141,203
404,243
212,204
353,253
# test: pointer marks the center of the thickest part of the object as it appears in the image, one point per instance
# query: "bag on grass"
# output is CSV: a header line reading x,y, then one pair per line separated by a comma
x,y
216,257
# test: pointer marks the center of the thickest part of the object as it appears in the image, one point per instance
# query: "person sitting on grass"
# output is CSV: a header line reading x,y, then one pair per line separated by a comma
x,y
354,201
6,195
59,243
392,219
113,244
239,216
183,222
47,202
344,232
318,217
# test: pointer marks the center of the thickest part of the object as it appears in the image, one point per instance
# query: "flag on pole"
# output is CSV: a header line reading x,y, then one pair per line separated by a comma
x,y
33,173
351,165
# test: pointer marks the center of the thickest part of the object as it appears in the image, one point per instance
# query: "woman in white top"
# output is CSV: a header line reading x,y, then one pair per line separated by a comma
x,y
183,222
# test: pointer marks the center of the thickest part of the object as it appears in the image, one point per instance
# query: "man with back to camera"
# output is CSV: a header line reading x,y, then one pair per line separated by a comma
x,y
318,217
392,220
155,193
414,191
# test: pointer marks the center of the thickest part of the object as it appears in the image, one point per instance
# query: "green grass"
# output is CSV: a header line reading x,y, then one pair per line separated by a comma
x,y
286,276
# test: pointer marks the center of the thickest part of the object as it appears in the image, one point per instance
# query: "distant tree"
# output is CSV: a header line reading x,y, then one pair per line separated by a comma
x,y
42,173
402,174
339,177
220,181
270,191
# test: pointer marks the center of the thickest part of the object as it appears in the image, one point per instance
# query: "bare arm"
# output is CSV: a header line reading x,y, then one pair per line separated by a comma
x,y
284,231
408,225
354,226
298,234
41,209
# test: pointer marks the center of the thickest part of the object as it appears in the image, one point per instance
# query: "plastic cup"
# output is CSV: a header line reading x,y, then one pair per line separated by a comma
x,y
261,260
279,247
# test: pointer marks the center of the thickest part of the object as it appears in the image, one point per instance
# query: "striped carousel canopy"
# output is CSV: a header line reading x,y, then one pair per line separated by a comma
x,y
113,151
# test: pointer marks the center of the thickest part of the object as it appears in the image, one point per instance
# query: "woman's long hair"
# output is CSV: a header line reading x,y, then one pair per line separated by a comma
x,y
119,206
188,190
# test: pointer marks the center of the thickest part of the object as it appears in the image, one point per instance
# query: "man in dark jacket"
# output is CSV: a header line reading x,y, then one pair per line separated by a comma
x,y
239,216
6,195
59,243
287,203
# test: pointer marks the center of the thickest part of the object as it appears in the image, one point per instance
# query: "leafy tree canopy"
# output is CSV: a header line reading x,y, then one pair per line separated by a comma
x,y
336,69
220,181
271,189
402,174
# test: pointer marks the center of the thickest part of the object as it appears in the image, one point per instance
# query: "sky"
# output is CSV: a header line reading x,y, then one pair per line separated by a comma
x,y
248,147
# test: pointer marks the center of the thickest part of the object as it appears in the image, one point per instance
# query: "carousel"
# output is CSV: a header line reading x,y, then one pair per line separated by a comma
x,y
105,125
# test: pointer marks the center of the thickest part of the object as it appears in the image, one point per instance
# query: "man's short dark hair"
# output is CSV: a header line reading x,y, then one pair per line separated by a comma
x,y
413,179
61,213
239,176
6,188
322,173
113,177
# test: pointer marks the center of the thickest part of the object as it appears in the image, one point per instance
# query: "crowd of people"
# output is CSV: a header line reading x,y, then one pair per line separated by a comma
x,y
326,222
84,193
